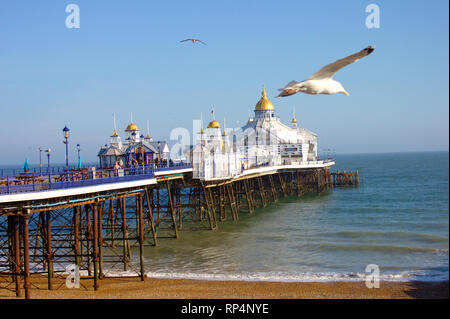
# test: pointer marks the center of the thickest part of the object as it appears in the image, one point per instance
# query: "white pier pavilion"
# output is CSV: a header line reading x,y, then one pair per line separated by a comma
x,y
263,142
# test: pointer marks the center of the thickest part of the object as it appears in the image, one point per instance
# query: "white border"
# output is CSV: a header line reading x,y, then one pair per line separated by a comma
x,y
74,191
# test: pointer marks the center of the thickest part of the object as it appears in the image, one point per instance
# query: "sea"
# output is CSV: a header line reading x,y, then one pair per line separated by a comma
x,y
396,224
397,221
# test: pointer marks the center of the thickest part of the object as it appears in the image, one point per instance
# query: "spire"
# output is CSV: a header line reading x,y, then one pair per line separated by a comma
x,y
213,123
115,128
148,137
224,127
294,120
201,123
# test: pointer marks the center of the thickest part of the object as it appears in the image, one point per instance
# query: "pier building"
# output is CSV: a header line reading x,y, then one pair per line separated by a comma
x,y
263,141
137,149
214,157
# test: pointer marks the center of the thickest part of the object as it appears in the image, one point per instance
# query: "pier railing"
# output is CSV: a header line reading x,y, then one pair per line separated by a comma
x,y
34,182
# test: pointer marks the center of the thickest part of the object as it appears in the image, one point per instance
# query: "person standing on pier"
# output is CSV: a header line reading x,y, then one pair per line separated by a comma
x,y
116,168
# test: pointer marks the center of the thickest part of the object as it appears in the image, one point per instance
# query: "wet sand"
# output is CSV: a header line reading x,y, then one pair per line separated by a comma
x,y
133,288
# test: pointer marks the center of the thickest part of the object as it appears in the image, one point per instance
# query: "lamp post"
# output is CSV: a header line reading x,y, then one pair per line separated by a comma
x,y
66,141
79,149
48,159
40,160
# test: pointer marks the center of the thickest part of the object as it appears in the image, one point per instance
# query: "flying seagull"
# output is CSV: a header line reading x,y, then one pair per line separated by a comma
x,y
322,81
193,41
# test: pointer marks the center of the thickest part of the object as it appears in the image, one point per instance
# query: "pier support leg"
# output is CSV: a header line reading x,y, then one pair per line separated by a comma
x,y
76,231
262,191
81,258
100,240
26,255
179,208
172,210
17,270
38,234
125,233
88,238
95,244
209,208
11,248
221,204
232,200
112,222
283,186
272,187
150,216
48,218
139,207
248,197
318,175
213,207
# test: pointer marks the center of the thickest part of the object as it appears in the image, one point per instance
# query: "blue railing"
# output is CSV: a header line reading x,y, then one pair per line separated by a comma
x,y
34,182
45,170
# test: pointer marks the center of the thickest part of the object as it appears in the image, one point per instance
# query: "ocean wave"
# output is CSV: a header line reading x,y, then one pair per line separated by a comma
x,y
409,235
289,277
283,277
385,248
274,276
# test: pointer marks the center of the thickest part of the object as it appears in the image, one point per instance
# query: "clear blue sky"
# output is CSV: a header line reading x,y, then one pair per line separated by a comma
x,y
126,57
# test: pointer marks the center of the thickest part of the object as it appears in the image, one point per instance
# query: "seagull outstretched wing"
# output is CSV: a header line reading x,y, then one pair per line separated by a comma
x,y
329,70
193,41
290,84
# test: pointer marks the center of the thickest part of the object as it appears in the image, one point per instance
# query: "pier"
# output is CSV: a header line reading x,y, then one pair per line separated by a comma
x,y
100,220
106,226
345,178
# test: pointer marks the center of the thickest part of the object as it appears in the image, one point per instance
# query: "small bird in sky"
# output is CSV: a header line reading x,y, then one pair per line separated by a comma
x,y
322,81
193,41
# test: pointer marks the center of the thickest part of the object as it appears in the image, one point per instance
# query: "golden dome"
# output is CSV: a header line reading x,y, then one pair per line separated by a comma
x,y
213,124
294,120
115,134
131,127
264,104
148,137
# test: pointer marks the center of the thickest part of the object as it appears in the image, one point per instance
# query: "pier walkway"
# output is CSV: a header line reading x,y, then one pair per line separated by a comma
x,y
101,221
32,186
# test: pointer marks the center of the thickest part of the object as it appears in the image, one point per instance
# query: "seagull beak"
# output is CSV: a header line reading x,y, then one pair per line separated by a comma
x,y
346,93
